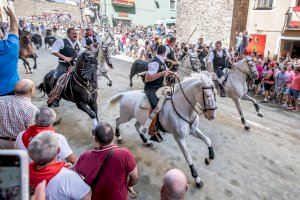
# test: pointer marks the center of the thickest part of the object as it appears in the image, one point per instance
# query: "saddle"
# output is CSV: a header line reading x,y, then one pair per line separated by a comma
x,y
161,92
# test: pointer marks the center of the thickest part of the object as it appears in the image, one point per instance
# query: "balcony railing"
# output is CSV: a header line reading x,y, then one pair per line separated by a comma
x,y
293,19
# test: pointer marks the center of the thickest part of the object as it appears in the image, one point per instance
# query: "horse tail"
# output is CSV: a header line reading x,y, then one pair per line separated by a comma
x,y
114,100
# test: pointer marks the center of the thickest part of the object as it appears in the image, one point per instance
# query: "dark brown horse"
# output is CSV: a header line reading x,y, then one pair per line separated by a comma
x,y
81,87
26,51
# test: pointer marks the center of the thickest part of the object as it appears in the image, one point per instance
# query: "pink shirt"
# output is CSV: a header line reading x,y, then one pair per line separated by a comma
x,y
296,82
290,74
260,69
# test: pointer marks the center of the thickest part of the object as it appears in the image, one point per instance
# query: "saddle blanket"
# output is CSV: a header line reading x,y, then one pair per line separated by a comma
x,y
160,93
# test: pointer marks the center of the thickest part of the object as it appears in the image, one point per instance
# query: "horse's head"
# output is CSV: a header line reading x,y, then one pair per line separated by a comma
x,y
202,86
86,65
247,67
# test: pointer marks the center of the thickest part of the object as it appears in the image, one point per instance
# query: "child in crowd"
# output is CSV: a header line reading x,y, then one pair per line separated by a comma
x,y
280,81
294,90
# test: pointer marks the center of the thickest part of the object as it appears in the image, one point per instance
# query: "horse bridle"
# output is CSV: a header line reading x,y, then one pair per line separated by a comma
x,y
204,110
249,66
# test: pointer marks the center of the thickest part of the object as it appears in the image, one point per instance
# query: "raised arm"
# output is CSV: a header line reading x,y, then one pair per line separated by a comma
x,y
13,21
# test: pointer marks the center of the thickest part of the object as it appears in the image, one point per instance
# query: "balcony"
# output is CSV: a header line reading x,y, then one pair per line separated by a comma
x,y
124,3
293,19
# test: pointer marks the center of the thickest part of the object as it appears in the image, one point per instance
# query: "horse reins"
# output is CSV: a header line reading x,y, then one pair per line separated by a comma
x,y
204,110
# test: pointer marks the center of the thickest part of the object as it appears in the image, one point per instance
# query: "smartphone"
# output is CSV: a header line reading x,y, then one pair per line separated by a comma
x,y
14,175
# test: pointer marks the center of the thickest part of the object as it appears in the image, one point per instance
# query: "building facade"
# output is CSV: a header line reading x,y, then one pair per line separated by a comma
x,y
279,22
138,12
211,18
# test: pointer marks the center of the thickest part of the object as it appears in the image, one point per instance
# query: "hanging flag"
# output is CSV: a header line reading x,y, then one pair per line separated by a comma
x,y
256,44
295,20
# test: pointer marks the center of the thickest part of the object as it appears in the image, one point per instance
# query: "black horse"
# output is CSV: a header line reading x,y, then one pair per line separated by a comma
x,y
81,87
49,39
139,66
37,40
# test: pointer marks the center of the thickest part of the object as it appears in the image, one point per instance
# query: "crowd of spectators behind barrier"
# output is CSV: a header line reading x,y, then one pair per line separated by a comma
x,y
24,126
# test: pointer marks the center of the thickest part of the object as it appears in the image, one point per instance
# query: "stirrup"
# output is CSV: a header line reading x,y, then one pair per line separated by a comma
x,y
156,137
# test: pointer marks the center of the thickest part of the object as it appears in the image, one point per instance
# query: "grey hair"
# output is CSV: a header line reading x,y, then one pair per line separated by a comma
x,y
43,148
25,89
45,117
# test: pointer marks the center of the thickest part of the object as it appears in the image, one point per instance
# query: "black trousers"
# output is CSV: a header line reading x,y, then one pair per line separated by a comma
x,y
10,93
61,69
219,73
150,93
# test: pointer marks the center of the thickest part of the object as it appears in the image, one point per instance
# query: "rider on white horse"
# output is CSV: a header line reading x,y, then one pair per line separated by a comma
x,y
157,70
219,58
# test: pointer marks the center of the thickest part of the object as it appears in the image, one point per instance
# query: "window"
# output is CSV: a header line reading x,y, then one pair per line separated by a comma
x,y
263,4
172,4
298,3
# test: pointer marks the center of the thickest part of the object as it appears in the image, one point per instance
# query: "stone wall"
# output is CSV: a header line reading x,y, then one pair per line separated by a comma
x,y
239,18
29,7
213,19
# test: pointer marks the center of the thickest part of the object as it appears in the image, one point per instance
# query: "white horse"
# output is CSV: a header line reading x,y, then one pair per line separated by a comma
x,y
236,86
178,115
103,61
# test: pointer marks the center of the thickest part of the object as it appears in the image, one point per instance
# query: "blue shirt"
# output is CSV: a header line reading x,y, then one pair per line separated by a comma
x,y
9,55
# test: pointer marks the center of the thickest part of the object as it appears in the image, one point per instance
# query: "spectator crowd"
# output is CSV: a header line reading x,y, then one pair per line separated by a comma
x,y
108,171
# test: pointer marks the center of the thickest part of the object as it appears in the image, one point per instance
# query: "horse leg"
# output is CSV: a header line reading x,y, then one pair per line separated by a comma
x,y
94,107
85,108
35,65
142,135
257,108
107,76
25,66
239,107
211,155
182,145
130,80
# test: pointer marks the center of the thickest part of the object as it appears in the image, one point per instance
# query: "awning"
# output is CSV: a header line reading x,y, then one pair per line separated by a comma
x,y
124,3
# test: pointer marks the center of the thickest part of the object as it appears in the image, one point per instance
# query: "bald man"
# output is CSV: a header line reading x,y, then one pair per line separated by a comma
x,y
174,186
17,113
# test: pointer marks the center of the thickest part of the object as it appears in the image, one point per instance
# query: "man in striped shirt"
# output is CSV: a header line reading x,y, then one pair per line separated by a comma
x,y
16,113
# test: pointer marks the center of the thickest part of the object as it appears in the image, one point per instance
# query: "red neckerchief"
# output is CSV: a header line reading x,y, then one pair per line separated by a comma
x,y
32,131
46,173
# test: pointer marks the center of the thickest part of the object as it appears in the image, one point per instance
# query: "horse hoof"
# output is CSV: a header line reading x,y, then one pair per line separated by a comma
x,y
109,84
199,185
207,161
57,121
149,145
130,84
31,72
211,153
119,141
247,128
35,67
260,115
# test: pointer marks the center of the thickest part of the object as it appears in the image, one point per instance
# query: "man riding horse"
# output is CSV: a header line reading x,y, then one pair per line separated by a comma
x,y
67,50
157,70
220,59
171,60
90,39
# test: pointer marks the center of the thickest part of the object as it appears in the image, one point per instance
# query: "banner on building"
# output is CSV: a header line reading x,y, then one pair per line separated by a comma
x,y
295,19
257,44
124,3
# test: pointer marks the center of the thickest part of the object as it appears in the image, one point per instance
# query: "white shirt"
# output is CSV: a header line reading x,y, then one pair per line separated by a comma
x,y
59,44
168,50
66,185
83,42
154,66
220,53
64,152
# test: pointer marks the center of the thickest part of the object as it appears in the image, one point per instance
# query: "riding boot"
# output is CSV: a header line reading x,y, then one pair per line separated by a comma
x,y
222,91
155,135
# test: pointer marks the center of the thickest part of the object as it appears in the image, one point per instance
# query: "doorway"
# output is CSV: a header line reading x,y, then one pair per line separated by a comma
x,y
296,50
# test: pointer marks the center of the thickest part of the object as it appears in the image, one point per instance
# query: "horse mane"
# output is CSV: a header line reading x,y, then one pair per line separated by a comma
x,y
203,76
